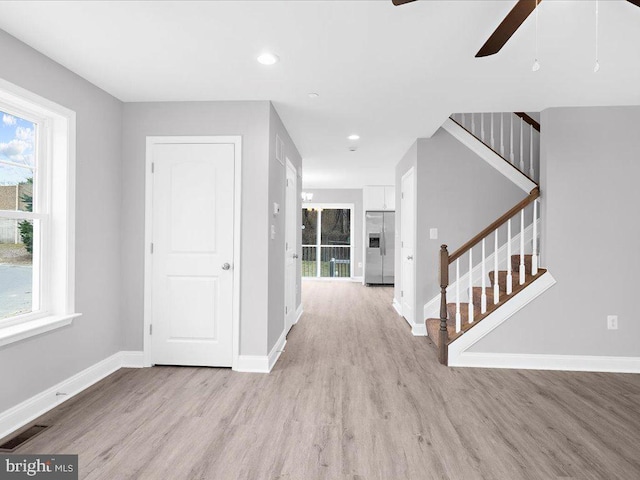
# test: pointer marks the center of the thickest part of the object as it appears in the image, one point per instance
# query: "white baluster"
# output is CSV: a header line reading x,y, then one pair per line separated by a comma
x,y
534,257
531,172
522,278
482,126
493,142
473,123
483,297
502,134
511,155
458,316
521,146
471,285
509,276
496,277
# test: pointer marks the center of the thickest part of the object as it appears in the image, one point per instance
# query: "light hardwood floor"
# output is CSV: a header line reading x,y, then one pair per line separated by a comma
x,y
354,396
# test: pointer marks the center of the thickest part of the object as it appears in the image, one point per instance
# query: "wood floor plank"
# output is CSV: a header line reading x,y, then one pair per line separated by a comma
x,y
354,396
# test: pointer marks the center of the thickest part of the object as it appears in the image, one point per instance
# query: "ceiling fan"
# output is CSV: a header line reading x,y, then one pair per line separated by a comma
x,y
518,14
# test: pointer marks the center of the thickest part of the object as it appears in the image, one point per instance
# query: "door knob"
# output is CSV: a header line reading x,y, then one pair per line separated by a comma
x,y
226,266
295,255
409,257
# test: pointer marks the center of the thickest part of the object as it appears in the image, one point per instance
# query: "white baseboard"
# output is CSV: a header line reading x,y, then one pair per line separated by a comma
x,y
252,364
576,363
419,330
397,307
357,279
299,313
277,350
132,359
262,363
27,411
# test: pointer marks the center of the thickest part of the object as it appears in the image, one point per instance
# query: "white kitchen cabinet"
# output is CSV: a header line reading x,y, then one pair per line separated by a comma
x,y
379,197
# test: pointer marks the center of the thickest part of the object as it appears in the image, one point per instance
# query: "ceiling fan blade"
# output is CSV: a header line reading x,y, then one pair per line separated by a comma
x,y
508,27
401,2
635,2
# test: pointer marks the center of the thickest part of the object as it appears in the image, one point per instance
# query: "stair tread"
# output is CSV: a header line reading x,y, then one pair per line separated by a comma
x,y
433,324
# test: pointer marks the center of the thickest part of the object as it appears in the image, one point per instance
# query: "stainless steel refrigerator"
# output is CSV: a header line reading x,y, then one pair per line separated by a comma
x,y
380,247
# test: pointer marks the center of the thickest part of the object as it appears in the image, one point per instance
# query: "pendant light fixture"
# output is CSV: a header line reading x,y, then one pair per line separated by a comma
x,y
596,67
536,64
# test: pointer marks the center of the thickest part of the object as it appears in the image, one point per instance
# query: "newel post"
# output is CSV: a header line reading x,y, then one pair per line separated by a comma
x,y
444,283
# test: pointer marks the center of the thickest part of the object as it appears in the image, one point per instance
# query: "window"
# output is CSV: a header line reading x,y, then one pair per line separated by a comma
x,y
20,219
36,214
326,241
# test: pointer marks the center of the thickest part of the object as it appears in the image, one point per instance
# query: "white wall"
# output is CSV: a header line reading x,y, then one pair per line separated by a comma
x,y
590,168
346,195
249,119
33,365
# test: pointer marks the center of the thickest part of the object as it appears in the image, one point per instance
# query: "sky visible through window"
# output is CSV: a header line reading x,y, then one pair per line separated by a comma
x,y
17,149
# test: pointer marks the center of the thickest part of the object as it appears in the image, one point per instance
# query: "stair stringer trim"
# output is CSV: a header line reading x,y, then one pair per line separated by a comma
x,y
431,309
458,354
489,156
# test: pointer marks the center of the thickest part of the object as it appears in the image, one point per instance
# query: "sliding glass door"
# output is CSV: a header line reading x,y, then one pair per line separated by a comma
x,y
326,242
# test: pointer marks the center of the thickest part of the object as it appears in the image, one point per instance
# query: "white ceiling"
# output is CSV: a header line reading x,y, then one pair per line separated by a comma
x,y
390,74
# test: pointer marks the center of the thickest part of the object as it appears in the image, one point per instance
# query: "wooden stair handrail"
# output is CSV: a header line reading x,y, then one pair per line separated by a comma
x,y
527,119
535,193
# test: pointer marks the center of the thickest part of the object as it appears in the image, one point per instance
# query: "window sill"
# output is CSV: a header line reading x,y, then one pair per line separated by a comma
x,y
31,328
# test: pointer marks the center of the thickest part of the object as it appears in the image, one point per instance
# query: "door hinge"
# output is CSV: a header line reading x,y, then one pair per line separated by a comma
x,y
401,293
402,195
151,329
151,247
286,310
153,167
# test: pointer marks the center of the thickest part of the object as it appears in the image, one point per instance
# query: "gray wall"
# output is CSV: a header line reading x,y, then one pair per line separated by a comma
x,y
277,188
33,365
249,119
590,169
459,194
346,195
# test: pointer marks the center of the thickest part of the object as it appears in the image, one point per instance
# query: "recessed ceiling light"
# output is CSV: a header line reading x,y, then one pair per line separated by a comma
x,y
313,95
354,137
268,59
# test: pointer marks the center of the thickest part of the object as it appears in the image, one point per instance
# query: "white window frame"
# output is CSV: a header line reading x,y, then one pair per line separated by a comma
x,y
54,208
318,245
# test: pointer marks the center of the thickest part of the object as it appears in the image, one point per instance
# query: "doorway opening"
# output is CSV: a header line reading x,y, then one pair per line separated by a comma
x,y
327,241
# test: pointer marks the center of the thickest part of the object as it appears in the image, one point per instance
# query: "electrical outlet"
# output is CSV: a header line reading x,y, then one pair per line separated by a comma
x,y
359,264
612,322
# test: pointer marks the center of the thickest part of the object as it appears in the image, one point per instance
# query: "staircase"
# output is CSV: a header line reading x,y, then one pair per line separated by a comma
x,y
505,264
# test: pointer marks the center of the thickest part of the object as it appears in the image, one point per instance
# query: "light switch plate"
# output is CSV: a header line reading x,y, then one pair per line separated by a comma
x,y
612,322
273,232
433,233
276,209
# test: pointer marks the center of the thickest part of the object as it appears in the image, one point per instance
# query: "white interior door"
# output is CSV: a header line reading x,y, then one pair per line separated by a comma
x,y
291,248
407,239
192,261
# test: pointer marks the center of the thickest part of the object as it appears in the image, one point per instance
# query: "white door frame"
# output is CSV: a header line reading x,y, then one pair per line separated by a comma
x,y
411,171
236,140
287,226
336,206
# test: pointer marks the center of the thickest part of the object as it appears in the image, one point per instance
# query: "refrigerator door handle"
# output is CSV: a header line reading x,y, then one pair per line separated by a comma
x,y
383,245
